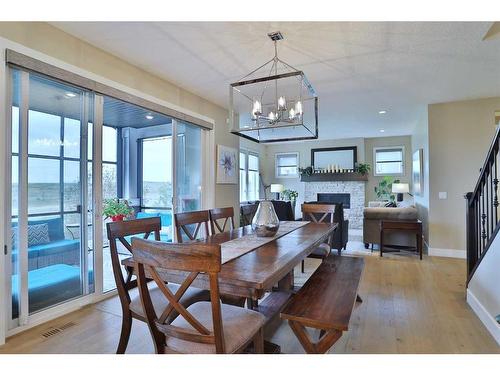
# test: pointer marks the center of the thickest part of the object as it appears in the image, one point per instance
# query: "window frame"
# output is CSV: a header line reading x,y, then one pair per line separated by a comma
x,y
247,169
276,166
387,148
140,174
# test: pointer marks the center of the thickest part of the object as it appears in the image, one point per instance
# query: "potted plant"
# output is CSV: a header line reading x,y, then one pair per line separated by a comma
x,y
116,210
307,171
384,189
291,195
363,168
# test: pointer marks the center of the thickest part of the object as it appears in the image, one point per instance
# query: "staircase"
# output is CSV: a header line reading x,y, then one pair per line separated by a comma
x,y
482,213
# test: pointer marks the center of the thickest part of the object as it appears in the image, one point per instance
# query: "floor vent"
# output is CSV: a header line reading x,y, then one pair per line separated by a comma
x,y
67,325
51,332
56,330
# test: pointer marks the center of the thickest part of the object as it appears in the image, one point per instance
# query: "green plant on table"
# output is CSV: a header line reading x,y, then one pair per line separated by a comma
x,y
116,209
290,195
384,189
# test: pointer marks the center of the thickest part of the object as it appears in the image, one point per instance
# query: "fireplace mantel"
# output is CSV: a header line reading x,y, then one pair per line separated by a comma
x,y
356,189
319,177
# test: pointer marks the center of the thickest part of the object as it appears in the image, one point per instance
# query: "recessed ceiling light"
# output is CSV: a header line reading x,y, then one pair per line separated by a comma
x,y
382,130
149,117
382,112
70,94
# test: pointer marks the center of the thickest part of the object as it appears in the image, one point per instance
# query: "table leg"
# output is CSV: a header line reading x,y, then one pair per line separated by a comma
x,y
286,283
419,243
381,241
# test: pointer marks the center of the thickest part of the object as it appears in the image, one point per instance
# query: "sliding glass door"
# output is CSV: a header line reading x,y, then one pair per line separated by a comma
x,y
50,254
71,150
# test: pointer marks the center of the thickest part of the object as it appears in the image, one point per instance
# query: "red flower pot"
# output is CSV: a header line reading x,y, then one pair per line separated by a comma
x,y
117,217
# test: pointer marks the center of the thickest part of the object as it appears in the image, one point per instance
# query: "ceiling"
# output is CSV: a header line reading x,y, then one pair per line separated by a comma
x,y
50,96
357,68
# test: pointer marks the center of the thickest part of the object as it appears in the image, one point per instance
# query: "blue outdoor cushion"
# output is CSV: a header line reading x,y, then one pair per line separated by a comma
x,y
143,215
166,220
50,248
51,285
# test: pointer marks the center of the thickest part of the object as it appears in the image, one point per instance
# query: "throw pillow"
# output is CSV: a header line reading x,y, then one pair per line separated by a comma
x,y
38,234
390,204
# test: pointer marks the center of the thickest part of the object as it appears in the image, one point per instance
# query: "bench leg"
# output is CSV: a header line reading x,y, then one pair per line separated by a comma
x,y
322,345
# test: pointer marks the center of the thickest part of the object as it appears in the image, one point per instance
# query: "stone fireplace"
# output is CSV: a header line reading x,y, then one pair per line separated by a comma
x,y
338,191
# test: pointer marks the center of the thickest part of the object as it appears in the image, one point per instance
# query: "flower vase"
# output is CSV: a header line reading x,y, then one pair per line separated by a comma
x,y
265,223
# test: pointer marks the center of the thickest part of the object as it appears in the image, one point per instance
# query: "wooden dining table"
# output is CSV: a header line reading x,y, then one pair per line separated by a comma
x,y
266,269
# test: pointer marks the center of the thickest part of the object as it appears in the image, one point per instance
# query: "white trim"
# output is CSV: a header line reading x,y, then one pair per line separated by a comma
x,y
84,73
449,253
276,175
488,321
4,193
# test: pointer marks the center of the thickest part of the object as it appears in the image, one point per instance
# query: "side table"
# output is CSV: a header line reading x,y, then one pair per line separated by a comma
x,y
402,225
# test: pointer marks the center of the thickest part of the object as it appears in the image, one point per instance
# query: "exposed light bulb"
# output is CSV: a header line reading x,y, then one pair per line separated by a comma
x,y
281,103
149,117
298,108
257,108
271,116
70,94
291,114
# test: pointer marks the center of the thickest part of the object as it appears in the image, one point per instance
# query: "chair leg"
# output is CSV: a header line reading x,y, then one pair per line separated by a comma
x,y
258,342
125,333
302,267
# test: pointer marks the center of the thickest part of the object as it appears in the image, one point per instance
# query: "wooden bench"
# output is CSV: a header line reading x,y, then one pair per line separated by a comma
x,y
325,302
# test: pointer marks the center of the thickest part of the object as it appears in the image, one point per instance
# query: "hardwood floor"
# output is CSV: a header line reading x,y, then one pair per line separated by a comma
x,y
409,306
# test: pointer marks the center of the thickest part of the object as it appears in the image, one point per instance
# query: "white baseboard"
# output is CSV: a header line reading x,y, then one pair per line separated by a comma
x,y
489,322
449,253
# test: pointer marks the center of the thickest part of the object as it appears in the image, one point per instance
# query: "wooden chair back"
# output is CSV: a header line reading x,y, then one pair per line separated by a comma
x,y
189,224
118,230
226,214
319,213
195,258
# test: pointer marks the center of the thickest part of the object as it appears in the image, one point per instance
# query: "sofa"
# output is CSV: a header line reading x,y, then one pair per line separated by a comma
x,y
59,250
372,216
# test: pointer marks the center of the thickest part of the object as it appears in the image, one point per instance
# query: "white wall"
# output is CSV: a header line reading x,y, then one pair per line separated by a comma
x,y
483,293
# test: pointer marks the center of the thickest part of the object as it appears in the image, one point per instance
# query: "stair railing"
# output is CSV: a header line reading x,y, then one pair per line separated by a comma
x,y
482,216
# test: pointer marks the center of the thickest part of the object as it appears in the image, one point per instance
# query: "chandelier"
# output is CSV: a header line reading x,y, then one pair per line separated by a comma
x,y
274,103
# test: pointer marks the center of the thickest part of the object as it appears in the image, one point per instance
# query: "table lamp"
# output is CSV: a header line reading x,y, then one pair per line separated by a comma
x,y
277,188
400,189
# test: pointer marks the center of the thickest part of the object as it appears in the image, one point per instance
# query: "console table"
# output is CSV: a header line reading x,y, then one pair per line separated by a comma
x,y
414,226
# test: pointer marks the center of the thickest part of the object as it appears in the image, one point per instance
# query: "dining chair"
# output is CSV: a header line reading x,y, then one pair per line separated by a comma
x,y
319,213
189,224
204,327
226,214
131,306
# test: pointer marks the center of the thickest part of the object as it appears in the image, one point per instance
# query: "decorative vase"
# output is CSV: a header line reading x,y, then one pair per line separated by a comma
x,y
265,223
